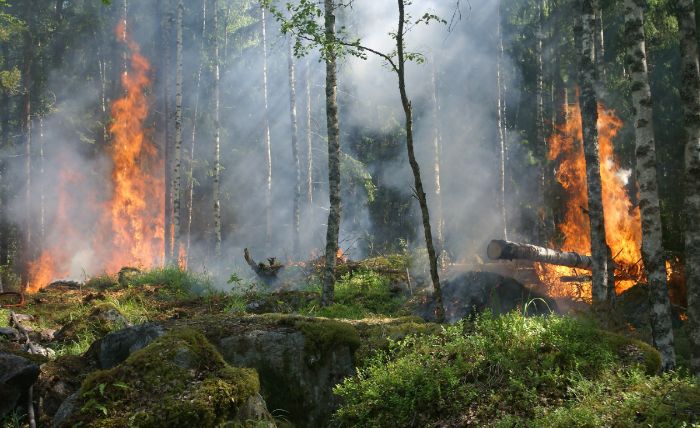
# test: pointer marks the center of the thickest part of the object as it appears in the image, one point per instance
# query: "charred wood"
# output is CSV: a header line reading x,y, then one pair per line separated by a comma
x,y
261,269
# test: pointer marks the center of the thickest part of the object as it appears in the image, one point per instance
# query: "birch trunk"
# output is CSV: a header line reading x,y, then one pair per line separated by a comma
x,y
217,136
437,154
193,141
540,132
422,200
178,132
332,123
690,98
589,118
266,140
42,193
296,215
26,121
652,250
309,139
501,131
599,40
167,145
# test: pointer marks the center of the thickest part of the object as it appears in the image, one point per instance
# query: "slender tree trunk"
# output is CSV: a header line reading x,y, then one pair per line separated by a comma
x,y
26,121
332,123
195,116
422,200
266,140
652,250
309,140
166,42
541,139
589,117
690,98
42,193
296,215
217,136
599,40
437,154
178,132
501,131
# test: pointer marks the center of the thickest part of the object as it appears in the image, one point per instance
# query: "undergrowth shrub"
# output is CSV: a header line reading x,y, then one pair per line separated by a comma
x,y
176,281
360,294
509,368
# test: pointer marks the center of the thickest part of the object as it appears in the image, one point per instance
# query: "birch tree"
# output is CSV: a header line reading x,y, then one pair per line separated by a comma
x,y
177,156
217,135
309,139
589,118
296,215
266,138
652,250
500,114
193,140
333,126
690,99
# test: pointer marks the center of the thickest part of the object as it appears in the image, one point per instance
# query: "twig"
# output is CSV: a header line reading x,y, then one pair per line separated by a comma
x,y
30,407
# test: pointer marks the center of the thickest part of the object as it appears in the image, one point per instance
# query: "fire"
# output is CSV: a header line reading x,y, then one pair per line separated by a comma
x,y
137,204
622,218
130,228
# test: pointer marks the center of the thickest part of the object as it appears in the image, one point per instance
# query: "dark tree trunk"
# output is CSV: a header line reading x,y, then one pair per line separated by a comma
x,y
690,98
332,123
296,214
422,200
589,118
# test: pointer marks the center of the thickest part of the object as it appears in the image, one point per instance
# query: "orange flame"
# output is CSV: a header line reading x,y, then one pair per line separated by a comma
x,y
622,218
130,226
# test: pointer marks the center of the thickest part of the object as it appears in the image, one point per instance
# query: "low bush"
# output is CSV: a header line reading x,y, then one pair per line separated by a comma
x,y
512,370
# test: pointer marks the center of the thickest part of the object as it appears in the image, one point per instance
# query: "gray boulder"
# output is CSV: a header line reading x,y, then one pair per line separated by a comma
x,y
470,293
116,347
17,374
296,375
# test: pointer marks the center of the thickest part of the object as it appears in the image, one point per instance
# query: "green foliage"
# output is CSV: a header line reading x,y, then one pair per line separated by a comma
x,y
176,281
360,294
355,173
627,399
495,368
101,282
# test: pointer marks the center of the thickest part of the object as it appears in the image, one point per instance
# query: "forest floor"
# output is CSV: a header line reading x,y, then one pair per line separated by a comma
x,y
367,360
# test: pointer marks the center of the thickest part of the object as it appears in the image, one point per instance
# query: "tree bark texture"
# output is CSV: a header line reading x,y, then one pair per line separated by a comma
x,y
652,250
599,40
296,214
589,118
420,193
332,123
690,99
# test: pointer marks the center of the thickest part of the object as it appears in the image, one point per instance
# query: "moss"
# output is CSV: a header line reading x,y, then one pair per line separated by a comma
x,y
633,351
178,380
378,334
324,335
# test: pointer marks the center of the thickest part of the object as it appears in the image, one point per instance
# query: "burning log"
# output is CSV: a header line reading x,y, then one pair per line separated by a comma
x,y
506,250
261,269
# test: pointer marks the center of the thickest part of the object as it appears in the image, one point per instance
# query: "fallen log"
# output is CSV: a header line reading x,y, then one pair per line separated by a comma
x,y
264,270
506,250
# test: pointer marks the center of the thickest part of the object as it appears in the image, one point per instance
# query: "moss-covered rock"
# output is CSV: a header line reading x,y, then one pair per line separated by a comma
x,y
179,380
